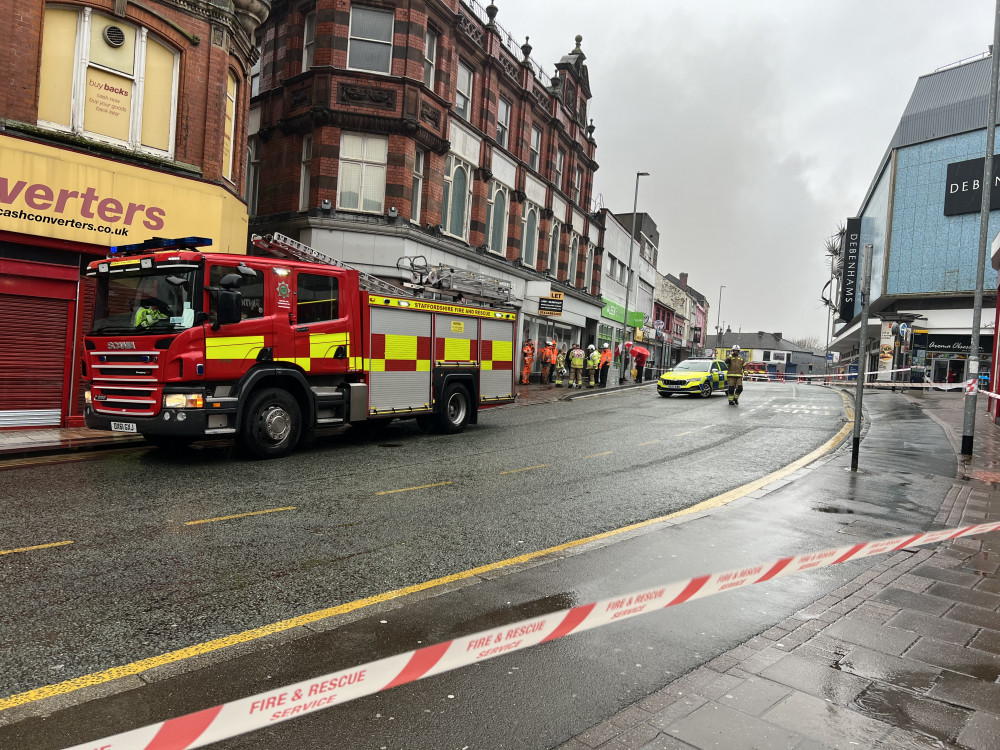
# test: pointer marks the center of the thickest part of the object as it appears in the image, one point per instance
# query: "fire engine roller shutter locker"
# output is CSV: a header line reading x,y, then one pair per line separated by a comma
x,y
496,378
32,360
400,350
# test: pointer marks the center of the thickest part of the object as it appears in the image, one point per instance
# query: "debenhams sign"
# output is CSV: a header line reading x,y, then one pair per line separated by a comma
x,y
964,194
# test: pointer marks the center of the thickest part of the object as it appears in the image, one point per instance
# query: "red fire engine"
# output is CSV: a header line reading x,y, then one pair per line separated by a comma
x,y
187,344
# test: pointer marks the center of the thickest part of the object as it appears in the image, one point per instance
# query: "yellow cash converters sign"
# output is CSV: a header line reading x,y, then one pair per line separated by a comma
x,y
55,192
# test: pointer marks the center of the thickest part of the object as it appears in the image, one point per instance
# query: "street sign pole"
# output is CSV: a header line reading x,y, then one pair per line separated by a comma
x,y
972,394
866,275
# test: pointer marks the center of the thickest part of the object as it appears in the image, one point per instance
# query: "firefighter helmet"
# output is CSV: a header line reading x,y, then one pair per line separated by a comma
x,y
736,347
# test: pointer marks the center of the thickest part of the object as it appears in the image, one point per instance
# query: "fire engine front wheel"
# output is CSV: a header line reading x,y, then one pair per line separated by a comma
x,y
272,424
455,405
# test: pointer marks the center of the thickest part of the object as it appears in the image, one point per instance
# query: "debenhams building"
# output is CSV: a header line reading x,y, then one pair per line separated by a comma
x,y
921,215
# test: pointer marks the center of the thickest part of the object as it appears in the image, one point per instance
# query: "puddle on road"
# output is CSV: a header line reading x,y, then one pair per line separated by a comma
x,y
831,509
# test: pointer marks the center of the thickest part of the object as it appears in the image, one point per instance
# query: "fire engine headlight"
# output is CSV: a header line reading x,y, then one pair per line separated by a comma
x,y
87,397
183,401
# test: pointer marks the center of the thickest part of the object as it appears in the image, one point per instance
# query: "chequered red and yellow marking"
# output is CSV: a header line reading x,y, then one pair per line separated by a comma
x,y
497,355
456,350
395,353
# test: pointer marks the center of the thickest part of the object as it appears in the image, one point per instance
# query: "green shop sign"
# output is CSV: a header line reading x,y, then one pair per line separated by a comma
x,y
616,312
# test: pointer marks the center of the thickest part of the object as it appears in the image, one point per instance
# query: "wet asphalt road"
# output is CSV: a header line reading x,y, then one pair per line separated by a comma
x,y
138,581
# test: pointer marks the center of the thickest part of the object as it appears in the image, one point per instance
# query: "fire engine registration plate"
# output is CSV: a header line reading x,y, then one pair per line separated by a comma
x,y
123,427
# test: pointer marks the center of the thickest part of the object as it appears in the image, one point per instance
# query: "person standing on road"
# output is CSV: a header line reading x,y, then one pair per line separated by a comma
x,y
548,355
640,355
528,353
606,357
560,366
593,363
735,368
576,359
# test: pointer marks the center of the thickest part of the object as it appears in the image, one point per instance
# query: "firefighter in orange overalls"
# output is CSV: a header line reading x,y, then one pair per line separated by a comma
x,y
528,352
606,357
552,360
548,358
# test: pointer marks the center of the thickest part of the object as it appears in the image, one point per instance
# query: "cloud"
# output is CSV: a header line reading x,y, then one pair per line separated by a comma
x,y
762,124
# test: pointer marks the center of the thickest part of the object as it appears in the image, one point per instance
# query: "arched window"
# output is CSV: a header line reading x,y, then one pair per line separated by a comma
x,y
588,272
555,228
529,235
496,218
457,192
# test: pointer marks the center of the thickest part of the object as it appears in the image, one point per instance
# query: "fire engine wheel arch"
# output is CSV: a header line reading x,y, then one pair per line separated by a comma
x,y
444,393
284,378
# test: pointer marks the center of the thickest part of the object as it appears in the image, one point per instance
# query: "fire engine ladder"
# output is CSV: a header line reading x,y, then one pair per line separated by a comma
x,y
286,247
455,282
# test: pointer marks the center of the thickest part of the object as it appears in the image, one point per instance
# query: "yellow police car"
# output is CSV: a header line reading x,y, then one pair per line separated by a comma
x,y
695,376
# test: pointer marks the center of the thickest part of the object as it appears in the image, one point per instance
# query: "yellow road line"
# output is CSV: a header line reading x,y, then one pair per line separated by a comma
x,y
239,515
37,546
650,442
125,670
527,468
407,489
682,434
598,455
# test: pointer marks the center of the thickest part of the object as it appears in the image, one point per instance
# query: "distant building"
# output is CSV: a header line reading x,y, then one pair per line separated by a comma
x,y
617,241
690,315
921,215
120,121
777,353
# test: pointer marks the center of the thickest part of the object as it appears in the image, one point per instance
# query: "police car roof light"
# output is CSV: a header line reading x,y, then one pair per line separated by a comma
x,y
159,243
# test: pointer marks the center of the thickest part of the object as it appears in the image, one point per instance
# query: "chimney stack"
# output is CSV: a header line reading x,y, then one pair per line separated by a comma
x,y
684,281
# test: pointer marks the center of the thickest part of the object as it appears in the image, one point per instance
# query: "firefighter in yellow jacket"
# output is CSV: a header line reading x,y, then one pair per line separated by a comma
x,y
593,363
576,361
561,366
735,369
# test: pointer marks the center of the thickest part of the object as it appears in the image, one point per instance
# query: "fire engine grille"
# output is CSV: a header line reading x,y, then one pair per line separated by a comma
x,y
126,383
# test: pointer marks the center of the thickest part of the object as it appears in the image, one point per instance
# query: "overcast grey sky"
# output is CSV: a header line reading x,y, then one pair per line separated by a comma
x,y
762,123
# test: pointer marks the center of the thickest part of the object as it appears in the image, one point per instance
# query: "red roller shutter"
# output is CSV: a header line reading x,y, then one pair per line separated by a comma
x,y
32,360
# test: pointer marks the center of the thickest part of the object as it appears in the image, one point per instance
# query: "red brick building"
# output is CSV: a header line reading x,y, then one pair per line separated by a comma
x,y
120,121
390,129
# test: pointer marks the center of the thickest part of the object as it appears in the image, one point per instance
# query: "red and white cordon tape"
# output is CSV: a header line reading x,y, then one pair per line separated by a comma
x,y
265,709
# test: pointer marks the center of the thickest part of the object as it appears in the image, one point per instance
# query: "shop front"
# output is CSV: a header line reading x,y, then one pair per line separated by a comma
x,y
60,209
556,316
944,357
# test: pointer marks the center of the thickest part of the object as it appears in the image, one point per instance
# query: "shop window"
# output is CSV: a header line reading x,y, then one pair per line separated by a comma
x,y
369,45
361,181
463,91
108,80
228,127
529,235
496,218
457,197
316,299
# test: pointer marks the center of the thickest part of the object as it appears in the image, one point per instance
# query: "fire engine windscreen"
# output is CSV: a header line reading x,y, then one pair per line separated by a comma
x,y
154,300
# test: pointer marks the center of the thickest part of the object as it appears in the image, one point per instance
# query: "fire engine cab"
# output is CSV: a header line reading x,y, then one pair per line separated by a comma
x,y
266,349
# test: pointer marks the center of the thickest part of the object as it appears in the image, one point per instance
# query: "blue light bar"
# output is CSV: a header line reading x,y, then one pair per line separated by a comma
x,y
159,243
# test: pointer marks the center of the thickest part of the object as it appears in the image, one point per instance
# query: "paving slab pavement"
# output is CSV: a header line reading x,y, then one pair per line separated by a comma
x,y
906,655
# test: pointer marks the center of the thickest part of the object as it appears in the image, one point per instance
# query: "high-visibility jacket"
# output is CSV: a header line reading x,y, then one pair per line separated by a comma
x,y
606,357
529,353
735,367
576,358
561,360
549,355
594,360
